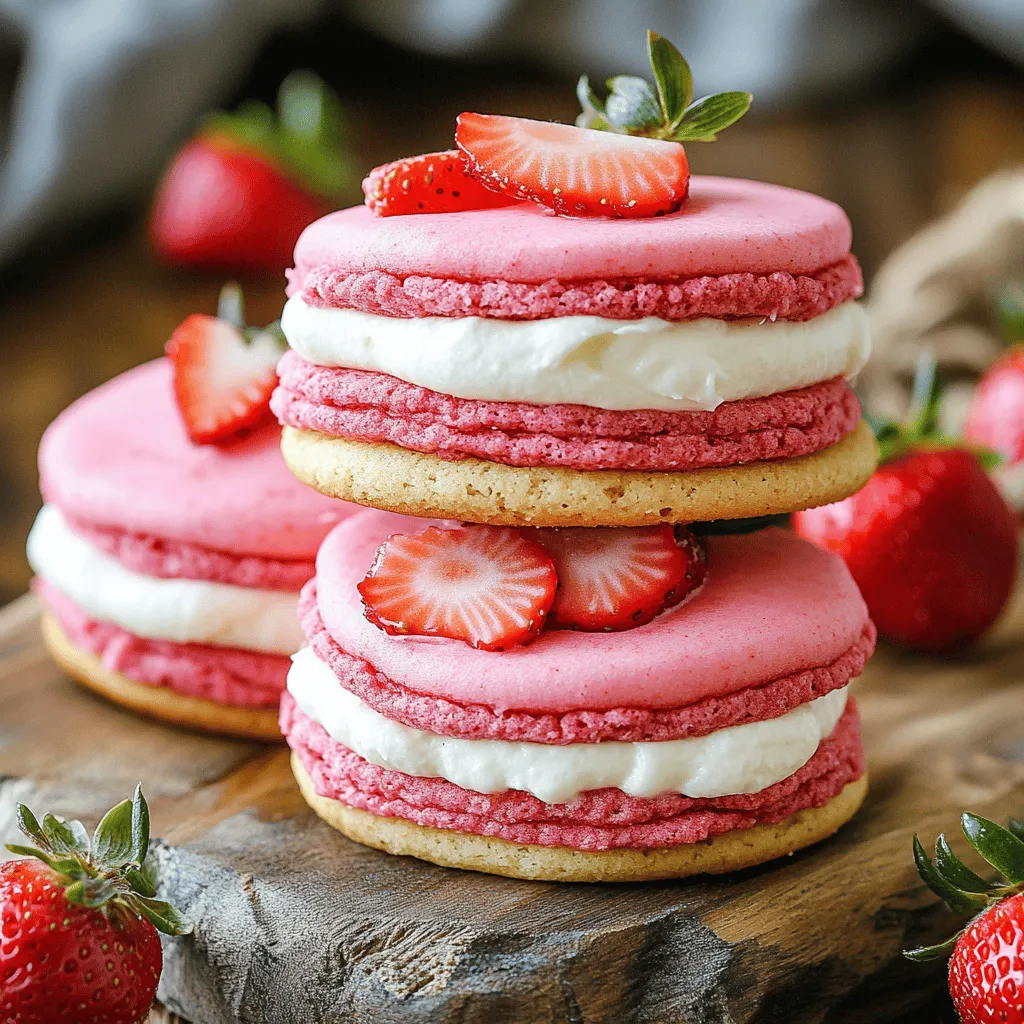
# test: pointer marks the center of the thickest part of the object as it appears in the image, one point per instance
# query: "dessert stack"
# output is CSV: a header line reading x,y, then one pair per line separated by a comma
x,y
522,660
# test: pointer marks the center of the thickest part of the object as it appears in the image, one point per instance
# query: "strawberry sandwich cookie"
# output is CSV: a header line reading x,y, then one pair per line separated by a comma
x,y
578,704
511,366
170,570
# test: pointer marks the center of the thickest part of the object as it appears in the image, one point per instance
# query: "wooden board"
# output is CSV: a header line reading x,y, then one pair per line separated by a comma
x,y
297,924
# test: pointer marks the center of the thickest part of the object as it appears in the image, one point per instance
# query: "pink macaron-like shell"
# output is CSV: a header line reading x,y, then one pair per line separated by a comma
x,y
376,407
119,457
225,675
727,226
172,559
776,295
603,819
624,724
773,605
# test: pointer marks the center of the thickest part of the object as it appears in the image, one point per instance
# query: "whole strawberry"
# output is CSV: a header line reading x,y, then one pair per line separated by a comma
x,y
238,194
929,540
79,921
986,968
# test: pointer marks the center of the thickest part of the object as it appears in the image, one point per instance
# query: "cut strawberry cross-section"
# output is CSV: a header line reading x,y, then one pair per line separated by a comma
x,y
224,372
431,183
574,171
615,579
486,585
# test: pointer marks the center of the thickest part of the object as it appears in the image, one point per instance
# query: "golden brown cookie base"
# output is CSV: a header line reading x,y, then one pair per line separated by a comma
x,y
156,701
472,490
728,852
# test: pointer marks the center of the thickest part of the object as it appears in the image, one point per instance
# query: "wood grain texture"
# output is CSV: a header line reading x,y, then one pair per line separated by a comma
x,y
296,924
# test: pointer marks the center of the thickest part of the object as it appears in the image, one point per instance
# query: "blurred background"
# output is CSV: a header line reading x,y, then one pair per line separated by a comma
x,y
895,109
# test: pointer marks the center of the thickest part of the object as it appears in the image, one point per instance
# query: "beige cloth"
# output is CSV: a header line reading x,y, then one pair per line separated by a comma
x,y
936,292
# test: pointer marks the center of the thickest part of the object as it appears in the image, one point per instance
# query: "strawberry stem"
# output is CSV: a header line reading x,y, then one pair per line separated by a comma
x,y
112,868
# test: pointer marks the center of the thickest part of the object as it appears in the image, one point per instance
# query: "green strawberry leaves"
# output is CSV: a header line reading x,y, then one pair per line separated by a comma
x,y
668,111
112,868
1009,308
920,429
958,886
305,135
673,78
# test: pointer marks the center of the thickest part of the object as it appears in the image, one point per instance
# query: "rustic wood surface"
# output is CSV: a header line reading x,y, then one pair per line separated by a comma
x,y
296,924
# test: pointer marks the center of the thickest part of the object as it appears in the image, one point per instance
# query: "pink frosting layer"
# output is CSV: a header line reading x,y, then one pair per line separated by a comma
x,y
774,605
603,819
119,458
377,407
242,679
169,559
776,295
626,724
727,226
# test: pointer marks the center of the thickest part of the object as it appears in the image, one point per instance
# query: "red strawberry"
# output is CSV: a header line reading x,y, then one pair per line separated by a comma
x,y
931,544
929,540
223,207
574,171
986,969
431,183
613,579
224,372
995,418
237,196
487,585
78,922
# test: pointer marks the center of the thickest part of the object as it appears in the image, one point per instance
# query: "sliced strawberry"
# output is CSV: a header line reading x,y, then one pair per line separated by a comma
x,y
574,171
223,376
487,585
431,183
614,579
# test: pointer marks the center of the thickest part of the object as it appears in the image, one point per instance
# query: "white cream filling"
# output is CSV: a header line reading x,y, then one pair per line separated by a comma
x,y
185,611
587,360
740,759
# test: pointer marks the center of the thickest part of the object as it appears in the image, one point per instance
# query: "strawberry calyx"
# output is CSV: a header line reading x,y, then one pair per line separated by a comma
x,y
231,309
112,868
668,111
962,889
303,137
920,431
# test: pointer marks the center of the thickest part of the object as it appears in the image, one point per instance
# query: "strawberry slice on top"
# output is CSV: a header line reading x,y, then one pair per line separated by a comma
x,y
574,171
431,183
614,579
224,372
488,586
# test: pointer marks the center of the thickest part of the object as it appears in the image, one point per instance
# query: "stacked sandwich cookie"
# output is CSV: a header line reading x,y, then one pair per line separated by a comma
x,y
522,660
170,567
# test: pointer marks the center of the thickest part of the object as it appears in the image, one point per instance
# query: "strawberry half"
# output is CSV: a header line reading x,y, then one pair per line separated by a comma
x,y
224,373
574,171
615,579
486,585
431,183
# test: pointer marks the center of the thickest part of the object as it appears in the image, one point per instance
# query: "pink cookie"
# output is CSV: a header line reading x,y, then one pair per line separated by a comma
x,y
624,724
773,606
119,458
605,819
375,407
728,226
134,492
776,295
